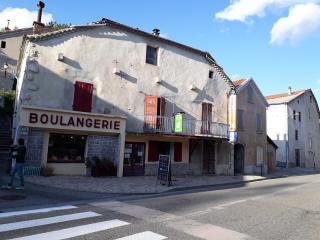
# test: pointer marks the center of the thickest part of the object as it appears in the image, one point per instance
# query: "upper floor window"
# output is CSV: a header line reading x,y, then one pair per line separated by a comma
x,y
294,114
3,44
299,116
250,94
310,99
296,135
82,98
152,55
211,74
258,123
240,119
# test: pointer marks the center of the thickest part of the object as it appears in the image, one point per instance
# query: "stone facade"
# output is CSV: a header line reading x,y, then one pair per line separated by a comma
x,y
34,148
103,147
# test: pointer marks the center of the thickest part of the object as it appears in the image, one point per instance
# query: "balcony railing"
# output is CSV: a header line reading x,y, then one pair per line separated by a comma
x,y
164,124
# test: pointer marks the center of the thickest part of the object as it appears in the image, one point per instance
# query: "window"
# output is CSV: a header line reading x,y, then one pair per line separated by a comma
x,y
310,99
66,148
250,94
294,114
259,156
240,120
206,118
309,113
157,148
296,135
211,74
154,111
258,123
152,55
299,116
82,98
3,44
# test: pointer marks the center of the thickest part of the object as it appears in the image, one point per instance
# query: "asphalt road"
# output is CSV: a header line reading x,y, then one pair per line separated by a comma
x,y
285,208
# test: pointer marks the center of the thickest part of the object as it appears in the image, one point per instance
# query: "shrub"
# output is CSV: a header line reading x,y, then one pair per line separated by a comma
x,y
9,97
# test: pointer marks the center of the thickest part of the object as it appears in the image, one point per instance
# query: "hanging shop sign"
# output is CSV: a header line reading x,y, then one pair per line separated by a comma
x,y
178,120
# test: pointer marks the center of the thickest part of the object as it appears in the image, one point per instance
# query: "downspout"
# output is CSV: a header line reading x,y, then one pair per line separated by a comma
x,y
287,140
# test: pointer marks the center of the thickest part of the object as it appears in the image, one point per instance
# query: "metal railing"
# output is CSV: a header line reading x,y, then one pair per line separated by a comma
x,y
164,124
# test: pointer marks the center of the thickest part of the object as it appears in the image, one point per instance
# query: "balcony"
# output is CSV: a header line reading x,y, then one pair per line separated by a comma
x,y
190,127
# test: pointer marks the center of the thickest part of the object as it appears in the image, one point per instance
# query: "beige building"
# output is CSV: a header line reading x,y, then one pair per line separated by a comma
x,y
176,100
250,151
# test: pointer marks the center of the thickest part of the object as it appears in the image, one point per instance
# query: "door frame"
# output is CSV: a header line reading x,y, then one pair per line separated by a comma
x,y
236,149
129,170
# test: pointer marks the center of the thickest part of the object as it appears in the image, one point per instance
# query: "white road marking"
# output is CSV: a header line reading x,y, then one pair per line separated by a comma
x,y
75,231
222,206
144,236
41,210
189,226
46,221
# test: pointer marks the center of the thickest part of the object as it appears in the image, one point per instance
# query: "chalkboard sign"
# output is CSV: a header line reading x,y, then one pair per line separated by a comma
x,y
164,171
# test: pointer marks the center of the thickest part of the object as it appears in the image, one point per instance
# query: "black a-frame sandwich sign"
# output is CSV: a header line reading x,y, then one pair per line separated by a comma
x,y
164,170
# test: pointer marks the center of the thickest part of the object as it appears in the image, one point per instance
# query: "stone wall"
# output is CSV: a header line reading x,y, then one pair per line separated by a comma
x,y
104,147
34,148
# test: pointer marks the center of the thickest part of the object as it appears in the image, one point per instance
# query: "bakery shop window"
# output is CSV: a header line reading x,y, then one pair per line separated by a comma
x,y
66,148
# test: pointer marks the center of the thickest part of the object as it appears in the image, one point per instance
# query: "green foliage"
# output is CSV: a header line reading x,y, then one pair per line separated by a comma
x,y
54,26
9,97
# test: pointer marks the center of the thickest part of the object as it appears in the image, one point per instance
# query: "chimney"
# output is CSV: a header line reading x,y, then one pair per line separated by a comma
x,y
289,90
38,25
156,32
7,27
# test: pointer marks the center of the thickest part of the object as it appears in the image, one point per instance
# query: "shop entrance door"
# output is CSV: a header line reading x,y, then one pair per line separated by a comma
x,y
238,159
134,155
208,157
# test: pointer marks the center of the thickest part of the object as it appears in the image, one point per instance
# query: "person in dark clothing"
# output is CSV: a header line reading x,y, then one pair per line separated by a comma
x,y
20,162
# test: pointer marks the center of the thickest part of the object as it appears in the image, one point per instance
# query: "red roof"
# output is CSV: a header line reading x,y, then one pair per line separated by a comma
x,y
237,83
281,95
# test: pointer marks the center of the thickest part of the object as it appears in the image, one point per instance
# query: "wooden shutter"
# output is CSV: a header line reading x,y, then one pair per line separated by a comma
x,y
150,112
153,152
206,118
178,152
82,99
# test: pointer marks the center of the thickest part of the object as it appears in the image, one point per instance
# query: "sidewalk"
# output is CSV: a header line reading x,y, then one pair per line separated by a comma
x,y
147,184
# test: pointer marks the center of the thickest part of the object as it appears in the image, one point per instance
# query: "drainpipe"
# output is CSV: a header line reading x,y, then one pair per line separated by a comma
x,y
287,140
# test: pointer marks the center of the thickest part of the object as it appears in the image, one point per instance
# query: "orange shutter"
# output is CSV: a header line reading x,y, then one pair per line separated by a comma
x,y
150,112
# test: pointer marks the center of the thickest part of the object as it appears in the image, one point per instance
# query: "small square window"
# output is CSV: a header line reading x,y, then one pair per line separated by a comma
x,y
152,55
211,74
3,44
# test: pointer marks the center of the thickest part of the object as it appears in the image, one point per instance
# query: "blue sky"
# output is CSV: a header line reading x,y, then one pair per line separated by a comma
x,y
276,42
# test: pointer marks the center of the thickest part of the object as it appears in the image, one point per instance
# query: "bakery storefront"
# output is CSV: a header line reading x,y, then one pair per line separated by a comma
x,y
63,139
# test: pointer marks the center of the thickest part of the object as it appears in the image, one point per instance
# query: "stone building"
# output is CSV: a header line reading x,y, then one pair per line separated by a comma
x,y
250,151
176,100
293,124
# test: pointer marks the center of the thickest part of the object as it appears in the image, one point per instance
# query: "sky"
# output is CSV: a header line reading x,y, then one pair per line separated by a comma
x,y
276,42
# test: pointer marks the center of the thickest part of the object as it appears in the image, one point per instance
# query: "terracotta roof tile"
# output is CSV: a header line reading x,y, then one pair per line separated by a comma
x,y
237,83
281,95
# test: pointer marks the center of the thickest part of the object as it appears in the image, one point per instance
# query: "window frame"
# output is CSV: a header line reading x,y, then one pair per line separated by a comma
x,y
155,55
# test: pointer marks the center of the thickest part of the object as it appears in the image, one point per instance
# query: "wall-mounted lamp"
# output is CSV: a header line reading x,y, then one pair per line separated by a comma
x,y
158,80
60,57
192,87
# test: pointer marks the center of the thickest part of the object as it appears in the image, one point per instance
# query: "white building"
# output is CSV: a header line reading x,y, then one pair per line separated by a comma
x,y
108,69
293,124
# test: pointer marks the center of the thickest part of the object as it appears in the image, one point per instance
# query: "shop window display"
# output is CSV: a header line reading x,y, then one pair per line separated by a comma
x,y
66,148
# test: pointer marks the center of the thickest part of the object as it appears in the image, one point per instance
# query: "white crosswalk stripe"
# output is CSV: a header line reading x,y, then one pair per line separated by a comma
x,y
46,221
144,236
65,233
75,231
41,210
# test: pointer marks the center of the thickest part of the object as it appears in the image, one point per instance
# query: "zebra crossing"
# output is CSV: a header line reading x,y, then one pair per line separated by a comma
x,y
34,221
